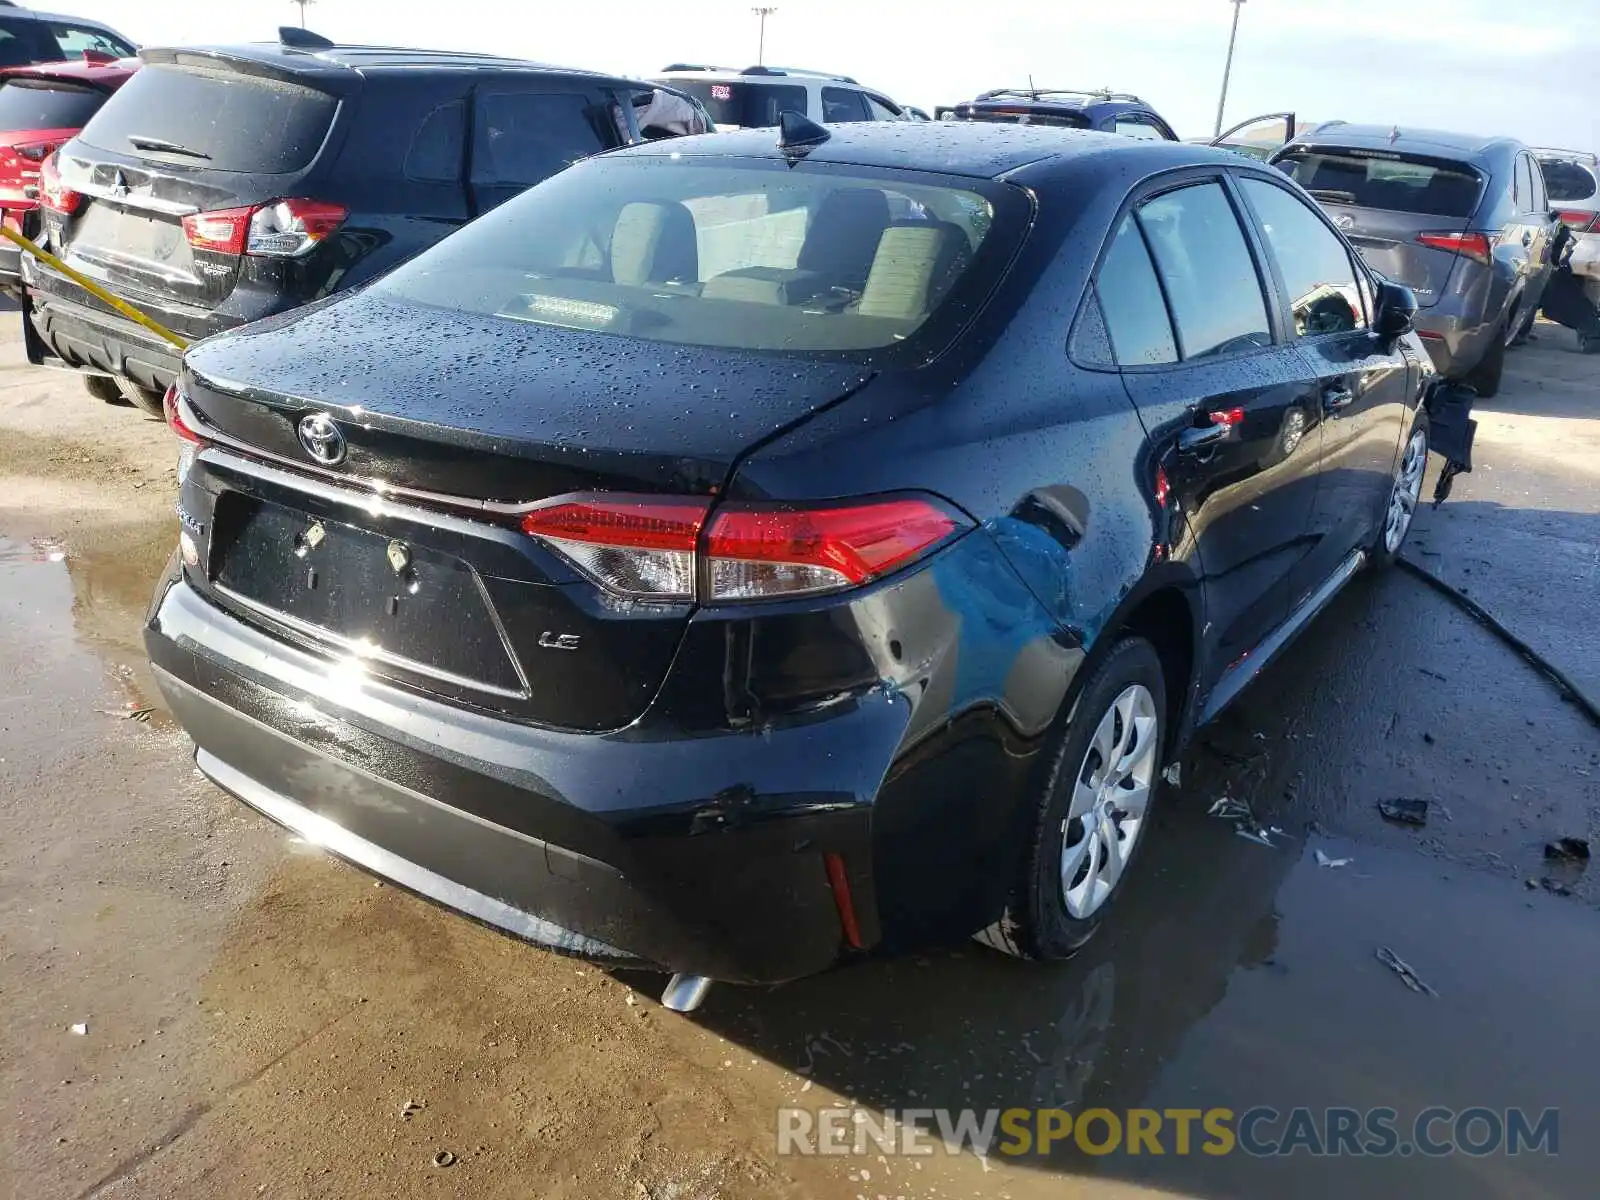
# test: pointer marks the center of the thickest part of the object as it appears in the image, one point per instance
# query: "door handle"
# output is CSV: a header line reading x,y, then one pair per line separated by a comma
x,y
1201,437
1337,396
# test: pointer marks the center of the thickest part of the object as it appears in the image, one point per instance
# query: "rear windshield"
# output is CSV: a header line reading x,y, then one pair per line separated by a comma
x,y
755,256
31,40
1022,115
37,104
221,119
1386,180
1567,181
747,105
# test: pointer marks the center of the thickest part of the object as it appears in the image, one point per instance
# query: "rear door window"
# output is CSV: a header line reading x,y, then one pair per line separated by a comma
x,y
522,137
747,105
1321,284
24,40
1210,277
41,104
73,40
882,110
1385,180
200,111
1522,187
840,105
1130,300
1134,126
439,145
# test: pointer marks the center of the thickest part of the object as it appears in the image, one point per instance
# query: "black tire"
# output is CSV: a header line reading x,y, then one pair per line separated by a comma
x,y
103,387
1485,377
1036,923
1380,555
146,399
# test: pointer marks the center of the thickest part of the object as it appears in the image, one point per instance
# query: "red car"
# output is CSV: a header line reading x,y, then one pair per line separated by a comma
x,y
41,106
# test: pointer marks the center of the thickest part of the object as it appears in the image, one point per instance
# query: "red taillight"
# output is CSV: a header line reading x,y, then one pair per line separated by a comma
x,y
54,194
633,545
222,231
645,546
759,552
1579,221
174,415
1228,418
282,229
1473,245
1163,486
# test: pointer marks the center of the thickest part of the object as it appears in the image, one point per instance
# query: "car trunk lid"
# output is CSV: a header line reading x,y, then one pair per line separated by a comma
x,y
1385,201
471,420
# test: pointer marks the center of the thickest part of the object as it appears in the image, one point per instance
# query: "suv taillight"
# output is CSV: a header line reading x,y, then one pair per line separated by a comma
x,y
1579,221
35,152
1473,245
281,229
53,193
662,548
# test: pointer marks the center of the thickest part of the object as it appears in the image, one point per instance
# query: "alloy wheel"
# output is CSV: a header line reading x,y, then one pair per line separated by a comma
x,y
1407,488
1110,799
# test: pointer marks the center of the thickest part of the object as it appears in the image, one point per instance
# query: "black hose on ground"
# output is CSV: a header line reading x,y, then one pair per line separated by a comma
x,y
1570,691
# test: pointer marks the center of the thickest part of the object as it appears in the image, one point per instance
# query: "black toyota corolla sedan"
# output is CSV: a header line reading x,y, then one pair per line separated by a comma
x,y
745,552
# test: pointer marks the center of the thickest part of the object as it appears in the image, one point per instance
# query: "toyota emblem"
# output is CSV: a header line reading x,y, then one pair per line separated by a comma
x,y
321,438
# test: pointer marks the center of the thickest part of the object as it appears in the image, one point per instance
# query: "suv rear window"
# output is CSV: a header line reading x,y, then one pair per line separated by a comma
x,y
1018,114
41,104
203,109
1386,180
748,105
1567,181
753,257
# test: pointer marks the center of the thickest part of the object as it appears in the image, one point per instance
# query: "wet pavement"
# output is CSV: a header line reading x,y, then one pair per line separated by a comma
x,y
263,1021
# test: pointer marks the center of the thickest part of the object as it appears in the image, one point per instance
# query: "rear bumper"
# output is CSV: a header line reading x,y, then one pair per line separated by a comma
x,y
703,855
87,338
1456,344
1586,256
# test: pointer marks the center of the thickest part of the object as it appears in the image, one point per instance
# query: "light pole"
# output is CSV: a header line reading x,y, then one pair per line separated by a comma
x,y
763,12
1222,103
302,4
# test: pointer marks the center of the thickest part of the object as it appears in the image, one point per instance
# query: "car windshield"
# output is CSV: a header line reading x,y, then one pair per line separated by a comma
x,y
1385,179
746,105
737,253
1567,182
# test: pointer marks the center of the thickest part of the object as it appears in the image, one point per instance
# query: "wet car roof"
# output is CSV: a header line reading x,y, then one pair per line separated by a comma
x,y
979,149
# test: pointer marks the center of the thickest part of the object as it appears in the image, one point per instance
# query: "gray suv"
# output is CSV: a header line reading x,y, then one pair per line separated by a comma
x,y
1463,221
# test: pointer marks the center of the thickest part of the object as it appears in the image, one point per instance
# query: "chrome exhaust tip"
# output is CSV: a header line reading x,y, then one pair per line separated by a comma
x,y
684,993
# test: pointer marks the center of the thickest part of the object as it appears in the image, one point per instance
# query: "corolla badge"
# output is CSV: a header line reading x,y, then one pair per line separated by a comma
x,y
321,439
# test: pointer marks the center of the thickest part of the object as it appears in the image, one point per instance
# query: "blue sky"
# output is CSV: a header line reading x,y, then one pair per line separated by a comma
x,y
1529,68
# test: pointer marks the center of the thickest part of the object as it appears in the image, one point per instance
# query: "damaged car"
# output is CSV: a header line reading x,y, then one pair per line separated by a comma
x,y
741,555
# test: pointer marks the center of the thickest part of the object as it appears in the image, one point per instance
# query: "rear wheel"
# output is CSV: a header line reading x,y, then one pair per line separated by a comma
x,y
1485,377
1094,810
1404,496
144,398
103,387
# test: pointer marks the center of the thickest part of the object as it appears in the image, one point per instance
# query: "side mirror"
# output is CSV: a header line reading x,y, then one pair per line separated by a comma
x,y
1396,311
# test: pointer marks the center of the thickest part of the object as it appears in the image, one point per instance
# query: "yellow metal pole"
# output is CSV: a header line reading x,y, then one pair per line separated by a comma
x,y
93,288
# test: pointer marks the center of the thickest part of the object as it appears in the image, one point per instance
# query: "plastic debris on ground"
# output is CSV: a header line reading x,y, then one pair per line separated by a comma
x,y
1324,861
1245,825
1568,849
80,1029
1403,969
1405,811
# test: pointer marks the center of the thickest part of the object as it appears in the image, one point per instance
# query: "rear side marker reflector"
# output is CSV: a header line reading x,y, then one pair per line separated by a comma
x,y
839,884
657,548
